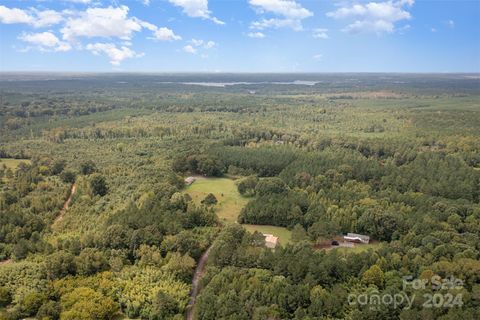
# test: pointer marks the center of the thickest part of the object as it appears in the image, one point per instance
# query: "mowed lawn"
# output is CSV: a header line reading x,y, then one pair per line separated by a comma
x,y
230,203
284,235
358,248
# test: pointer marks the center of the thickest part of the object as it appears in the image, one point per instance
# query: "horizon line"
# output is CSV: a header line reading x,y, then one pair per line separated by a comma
x,y
234,72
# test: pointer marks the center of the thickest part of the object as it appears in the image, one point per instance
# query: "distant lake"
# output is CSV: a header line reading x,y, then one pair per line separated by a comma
x,y
224,84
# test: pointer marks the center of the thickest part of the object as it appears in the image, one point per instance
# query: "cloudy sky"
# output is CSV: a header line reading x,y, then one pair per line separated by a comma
x,y
240,35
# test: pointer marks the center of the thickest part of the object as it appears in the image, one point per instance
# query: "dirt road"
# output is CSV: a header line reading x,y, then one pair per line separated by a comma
x,y
65,205
195,282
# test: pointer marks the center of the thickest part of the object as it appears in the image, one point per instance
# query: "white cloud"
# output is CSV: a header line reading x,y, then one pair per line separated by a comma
x,y
165,34
217,21
14,15
450,23
433,29
196,9
45,41
291,14
198,44
378,26
318,57
286,8
116,55
320,33
47,18
378,17
209,45
276,23
193,8
110,22
33,17
102,22
257,35
201,43
190,49
146,25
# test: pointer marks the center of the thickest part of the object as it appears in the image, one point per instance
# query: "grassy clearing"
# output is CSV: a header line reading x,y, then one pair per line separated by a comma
x,y
230,202
358,248
12,163
284,235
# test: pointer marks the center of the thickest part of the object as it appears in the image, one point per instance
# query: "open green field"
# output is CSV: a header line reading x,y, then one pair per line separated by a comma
x,y
230,203
284,235
12,163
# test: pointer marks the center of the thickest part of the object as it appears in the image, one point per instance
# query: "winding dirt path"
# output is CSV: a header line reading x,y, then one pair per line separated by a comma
x,y
199,270
65,206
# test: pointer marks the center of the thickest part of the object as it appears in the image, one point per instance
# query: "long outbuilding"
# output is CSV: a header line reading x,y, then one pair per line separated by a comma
x,y
355,237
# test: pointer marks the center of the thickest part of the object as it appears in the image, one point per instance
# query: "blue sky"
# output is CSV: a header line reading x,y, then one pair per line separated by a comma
x,y
240,35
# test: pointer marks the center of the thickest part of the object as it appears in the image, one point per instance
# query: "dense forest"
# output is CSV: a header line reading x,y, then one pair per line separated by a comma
x,y
96,221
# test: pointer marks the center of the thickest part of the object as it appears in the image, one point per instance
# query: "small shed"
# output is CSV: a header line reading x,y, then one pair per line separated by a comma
x,y
358,238
189,180
270,240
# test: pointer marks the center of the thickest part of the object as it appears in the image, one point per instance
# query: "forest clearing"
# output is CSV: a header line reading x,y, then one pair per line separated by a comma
x,y
8,167
230,203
